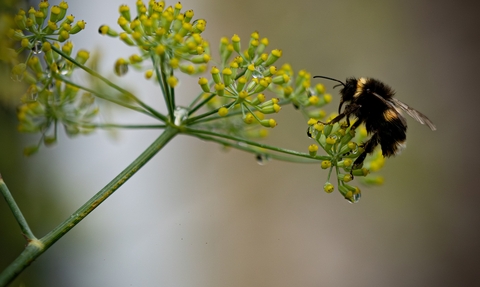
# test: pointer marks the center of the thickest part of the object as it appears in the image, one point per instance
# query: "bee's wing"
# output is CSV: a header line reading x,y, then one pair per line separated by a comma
x,y
418,116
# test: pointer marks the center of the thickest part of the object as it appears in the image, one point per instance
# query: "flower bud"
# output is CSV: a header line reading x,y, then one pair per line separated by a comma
x,y
203,82
269,123
223,111
220,89
328,187
121,67
215,74
280,80
125,12
273,57
227,76
312,149
107,30
79,26
248,118
325,164
126,39
236,43
172,81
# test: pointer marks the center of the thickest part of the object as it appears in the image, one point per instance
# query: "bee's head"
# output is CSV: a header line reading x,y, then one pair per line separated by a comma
x,y
347,92
349,89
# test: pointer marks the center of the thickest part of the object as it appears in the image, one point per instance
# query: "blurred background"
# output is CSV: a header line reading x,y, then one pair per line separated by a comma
x,y
199,216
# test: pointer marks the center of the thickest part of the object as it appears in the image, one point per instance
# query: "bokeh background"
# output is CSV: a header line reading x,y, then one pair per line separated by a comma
x,y
199,216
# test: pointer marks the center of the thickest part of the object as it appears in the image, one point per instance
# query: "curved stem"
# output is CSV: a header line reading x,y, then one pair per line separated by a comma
x,y
199,118
206,100
111,84
107,98
36,247
17,213
257,151
194,132
120,126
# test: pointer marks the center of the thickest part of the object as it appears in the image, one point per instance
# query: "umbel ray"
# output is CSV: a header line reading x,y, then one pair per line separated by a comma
x,y
372,102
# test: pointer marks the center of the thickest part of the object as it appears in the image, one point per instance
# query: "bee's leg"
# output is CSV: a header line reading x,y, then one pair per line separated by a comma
x,y
356,125
368,147
334,120
350,109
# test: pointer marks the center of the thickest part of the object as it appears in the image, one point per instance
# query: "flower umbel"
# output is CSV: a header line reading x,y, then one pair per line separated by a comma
x,y
166,35
341,145
50,99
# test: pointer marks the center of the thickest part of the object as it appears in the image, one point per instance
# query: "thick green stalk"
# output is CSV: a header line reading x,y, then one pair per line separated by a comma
x,y
36,247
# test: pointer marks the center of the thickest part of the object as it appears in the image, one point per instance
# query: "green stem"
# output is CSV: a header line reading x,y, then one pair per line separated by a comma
x,y
197,119
17,213
162,80
36,247
111,84
206,100
121,126
195,100
107,98
258,151
194,132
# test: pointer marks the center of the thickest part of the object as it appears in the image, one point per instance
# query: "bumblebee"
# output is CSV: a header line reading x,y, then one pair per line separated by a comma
x,y
373,104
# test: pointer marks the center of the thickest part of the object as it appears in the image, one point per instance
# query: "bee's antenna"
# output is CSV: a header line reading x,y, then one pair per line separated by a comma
x,y
331,79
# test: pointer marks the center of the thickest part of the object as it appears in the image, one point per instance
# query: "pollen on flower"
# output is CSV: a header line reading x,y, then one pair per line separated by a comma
x,y
235,38
148,74
223,111
312,121
82,56
220,88
331,140
63,36
347,162
269,123
103,29
80,25
347,177
187,69
319,127
203,82
25,43
243,94
313,100
172,81
248,118
312,149
320,88
174,62
327,98
126,39
328,187
135,58
325,164
121,67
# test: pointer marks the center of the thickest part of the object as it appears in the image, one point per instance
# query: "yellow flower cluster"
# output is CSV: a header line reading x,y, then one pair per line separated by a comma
x,y
34,30
60,105
301,94
239,83
166,35
340,144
